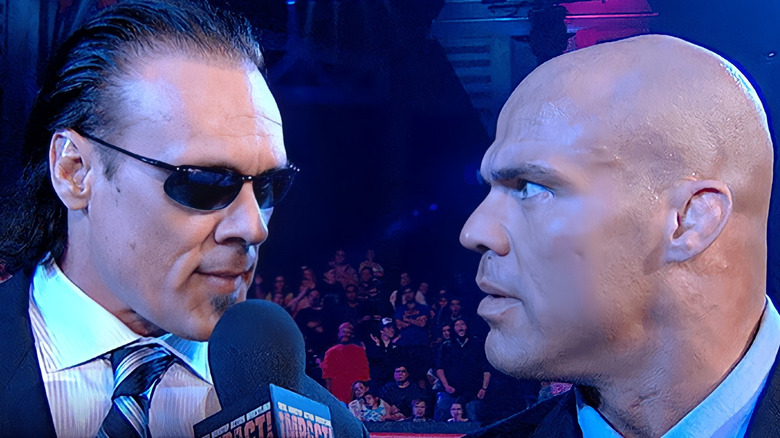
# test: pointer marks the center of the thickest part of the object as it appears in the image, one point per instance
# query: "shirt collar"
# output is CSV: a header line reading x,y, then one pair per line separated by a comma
x,y
79,330
726,410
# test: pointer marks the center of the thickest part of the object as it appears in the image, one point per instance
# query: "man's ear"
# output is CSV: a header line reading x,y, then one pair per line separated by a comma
x,y
700,210
69,166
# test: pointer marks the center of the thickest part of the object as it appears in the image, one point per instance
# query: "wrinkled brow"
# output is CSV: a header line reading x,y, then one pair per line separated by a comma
x,y
524,170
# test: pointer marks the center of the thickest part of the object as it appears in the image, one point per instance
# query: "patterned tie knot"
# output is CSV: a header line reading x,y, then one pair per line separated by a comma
x,y
137,370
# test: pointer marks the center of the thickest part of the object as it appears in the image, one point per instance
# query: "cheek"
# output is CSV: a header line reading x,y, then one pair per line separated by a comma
x,y
555,261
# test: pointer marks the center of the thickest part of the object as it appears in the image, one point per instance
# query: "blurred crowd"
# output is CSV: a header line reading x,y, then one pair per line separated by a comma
x,y
396,350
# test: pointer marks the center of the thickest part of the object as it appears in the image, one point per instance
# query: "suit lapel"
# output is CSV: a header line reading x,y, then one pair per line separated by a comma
x,y
561,422
24,408
766,416
552,418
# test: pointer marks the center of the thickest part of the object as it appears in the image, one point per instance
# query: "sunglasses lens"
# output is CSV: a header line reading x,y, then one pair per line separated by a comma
x,y
202,189
272,189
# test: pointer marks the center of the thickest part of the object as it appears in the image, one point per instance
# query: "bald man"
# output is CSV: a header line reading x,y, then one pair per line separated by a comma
x,y
623,245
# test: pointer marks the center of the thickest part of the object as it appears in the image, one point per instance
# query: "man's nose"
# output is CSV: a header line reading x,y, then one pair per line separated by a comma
x,y
485,229
244,219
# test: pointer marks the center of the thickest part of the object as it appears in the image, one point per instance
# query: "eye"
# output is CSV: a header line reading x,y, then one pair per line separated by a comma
x,y
527,189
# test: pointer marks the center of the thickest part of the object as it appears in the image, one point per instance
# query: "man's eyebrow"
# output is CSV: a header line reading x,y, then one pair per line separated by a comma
x,y
525,171
231,167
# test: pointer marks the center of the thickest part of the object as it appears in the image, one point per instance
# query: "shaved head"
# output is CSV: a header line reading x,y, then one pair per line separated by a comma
x,y
623,239
676,111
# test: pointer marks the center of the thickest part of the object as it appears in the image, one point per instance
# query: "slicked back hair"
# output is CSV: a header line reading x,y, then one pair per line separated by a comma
x,y
82,89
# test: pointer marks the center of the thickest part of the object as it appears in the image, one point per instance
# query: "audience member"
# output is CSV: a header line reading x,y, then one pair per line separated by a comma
x,y
367,279
376,409
280,287
256,290
456,412
340,271
343,364
412,322
463,371
308,279
373,309
438,303
369,262
401,392
397,295
357,405
347,309
454,311
307,299
419,414
384,353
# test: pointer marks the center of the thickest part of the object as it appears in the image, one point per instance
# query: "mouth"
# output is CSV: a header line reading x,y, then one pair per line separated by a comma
x,y
497,302
491,289
226,281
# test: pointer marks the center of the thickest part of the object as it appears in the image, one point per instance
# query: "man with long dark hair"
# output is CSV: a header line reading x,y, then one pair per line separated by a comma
x,y
154,157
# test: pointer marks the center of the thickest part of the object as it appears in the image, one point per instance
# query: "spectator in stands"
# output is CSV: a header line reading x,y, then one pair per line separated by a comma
x,y
456,412
367,279
438,303
308,279
340,271
277,297
401,392
422,290
419,412
377,409
463,371
374,308
280,286
455,311
357,406
343,364
369,262
412,322
384,353
443,336
397,295
348,308
308,298
256,290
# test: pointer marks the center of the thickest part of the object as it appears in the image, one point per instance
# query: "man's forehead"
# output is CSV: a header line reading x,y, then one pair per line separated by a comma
x,y
533,140
163,85
179,100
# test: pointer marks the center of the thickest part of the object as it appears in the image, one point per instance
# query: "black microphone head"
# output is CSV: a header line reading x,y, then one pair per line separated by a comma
x,y
255,343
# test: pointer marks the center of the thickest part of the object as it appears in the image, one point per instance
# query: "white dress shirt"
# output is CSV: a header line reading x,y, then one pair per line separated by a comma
x,y
726,412
73,336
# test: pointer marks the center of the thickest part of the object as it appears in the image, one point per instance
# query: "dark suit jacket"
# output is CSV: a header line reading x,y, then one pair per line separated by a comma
x,y
557,417
24,409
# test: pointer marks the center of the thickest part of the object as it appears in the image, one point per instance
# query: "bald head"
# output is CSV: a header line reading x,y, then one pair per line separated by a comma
x,y
675,111
630,186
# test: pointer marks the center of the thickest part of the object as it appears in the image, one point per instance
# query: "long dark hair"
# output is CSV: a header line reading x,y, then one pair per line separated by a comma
x,y
81,90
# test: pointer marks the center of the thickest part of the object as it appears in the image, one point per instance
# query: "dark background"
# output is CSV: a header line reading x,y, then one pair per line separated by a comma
x,y
389,105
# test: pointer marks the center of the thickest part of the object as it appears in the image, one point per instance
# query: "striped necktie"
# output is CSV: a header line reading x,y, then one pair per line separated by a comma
x,y
137,370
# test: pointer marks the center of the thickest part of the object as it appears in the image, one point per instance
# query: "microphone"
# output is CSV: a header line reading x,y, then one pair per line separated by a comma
x,y
256,344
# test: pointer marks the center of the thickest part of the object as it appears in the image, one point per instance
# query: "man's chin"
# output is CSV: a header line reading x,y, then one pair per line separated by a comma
x,y
220,303
512,360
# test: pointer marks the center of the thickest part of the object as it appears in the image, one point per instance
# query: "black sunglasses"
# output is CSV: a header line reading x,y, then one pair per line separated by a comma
x,y
212,188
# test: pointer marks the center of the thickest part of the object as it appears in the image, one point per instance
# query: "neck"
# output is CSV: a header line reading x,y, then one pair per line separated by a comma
x,y
85,278
650,392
